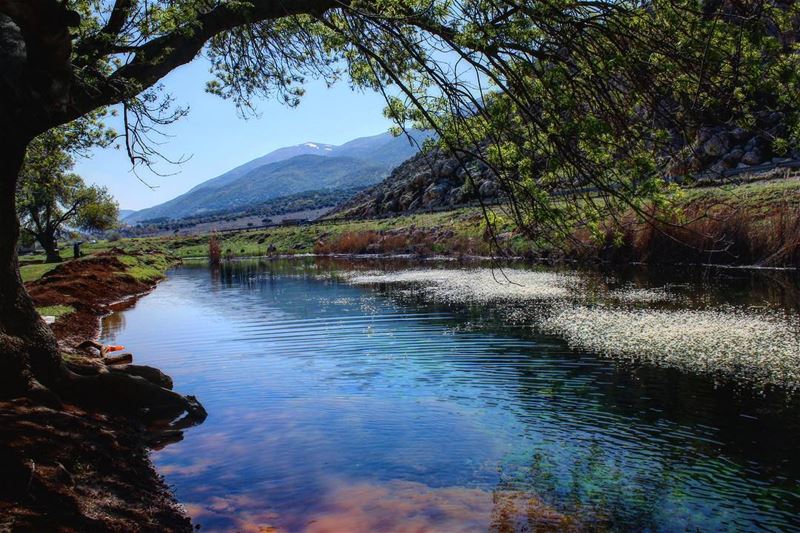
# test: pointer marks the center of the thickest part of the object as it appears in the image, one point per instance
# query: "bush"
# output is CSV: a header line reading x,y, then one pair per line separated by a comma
x,y
214,249
364,242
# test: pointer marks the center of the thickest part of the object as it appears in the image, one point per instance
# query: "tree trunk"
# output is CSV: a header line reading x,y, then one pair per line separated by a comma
x,y
29,354
49,244
30,361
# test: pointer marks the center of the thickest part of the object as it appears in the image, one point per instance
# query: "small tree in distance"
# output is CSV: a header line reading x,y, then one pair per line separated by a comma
x,y
50,198
214,250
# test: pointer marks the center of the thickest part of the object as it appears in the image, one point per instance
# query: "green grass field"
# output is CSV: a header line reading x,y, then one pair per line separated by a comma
x,y
150,254
55,310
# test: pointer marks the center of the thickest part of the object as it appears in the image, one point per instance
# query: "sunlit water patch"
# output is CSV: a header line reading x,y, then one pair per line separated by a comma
x,y
342,407
748,345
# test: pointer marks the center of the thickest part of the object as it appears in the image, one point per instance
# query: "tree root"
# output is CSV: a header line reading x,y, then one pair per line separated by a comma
x,y
135,391
149,373
121,359
42,395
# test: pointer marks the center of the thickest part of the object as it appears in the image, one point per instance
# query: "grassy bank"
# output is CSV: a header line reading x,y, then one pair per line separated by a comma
x,y
35,271
752,224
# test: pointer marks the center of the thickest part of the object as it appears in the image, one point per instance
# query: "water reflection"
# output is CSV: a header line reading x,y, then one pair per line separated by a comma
x,y
398,506
340,408
113,324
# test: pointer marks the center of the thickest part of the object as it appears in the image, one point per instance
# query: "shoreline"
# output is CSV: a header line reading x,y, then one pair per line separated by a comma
x,y
520,259
73,469
94,472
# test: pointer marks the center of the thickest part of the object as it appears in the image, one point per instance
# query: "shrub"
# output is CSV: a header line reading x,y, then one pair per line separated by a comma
x,y
348,243
214,249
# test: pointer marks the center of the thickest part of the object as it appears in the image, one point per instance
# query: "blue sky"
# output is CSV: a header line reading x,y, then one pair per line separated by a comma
x,y
218,140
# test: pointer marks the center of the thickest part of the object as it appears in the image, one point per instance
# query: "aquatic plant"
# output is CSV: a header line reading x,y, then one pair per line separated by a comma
x,y
759,347
462,285
641,295
754,346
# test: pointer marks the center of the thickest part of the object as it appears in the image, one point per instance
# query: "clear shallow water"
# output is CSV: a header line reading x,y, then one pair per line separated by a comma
x,y
341,408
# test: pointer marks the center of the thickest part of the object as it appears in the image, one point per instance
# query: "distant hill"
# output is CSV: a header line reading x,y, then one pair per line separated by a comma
x,y
125,213
273,157
288,171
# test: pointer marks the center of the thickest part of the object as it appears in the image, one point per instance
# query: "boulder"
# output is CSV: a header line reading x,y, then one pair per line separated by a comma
x,y
456,196
434,195
450,167
488,189
775,117
694,163
733,157
752,157
719,168
419,179
405,201
752,143
739,134
716,145
703,134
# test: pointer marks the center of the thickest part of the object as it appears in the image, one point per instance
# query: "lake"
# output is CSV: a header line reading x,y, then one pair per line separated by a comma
x,y
339,406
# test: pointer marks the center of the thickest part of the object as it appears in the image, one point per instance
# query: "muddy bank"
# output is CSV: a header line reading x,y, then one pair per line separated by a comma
x,y
91,286
74,470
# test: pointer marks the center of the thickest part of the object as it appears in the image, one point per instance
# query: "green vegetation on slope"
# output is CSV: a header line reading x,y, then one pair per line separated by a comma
x,y
762,213
147,267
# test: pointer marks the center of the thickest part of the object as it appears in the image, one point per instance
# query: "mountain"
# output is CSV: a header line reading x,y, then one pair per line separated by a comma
x,y
278,155
125,213
290,170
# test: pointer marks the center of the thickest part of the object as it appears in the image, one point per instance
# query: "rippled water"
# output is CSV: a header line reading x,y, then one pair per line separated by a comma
x,y
344,408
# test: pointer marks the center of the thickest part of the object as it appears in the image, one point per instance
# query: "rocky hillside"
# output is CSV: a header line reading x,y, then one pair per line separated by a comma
x,y
719,151
437,180
426,181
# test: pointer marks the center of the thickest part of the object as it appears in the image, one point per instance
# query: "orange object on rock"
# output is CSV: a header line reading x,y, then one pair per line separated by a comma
x,y
113,348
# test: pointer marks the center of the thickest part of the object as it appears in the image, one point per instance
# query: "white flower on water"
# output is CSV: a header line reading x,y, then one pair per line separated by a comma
x,y
759,347
478,285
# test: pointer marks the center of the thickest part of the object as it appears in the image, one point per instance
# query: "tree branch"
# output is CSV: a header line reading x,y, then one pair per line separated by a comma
x,y
158,57
103,42
71,211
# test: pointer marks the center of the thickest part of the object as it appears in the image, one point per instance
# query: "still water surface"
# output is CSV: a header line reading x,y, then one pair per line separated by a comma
x,y
341,408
